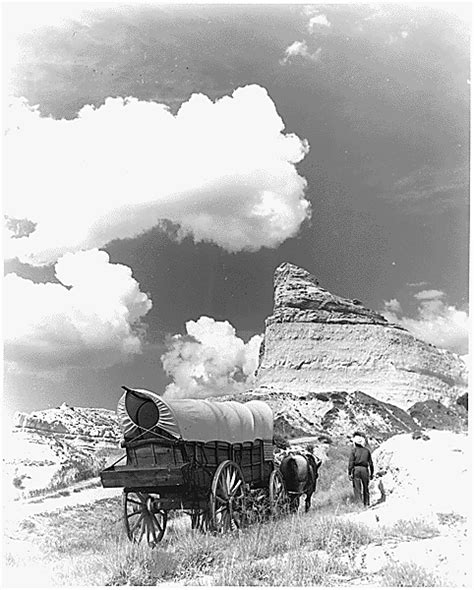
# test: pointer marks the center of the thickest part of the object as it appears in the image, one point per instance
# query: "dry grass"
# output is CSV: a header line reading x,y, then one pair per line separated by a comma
x,y
333,489
408,574
85,545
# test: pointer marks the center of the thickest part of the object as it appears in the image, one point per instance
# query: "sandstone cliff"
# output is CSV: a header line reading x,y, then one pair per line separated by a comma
x,y
318,342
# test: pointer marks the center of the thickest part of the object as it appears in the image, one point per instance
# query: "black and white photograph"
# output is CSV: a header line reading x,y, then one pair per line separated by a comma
x,y
236,294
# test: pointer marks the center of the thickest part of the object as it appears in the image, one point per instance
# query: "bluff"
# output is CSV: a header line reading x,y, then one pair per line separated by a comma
x,y
317,342
50,449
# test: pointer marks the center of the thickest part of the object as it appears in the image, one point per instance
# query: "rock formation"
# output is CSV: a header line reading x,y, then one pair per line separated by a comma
x,y
318,342
336,414
408,470
51,448
432,414
77,424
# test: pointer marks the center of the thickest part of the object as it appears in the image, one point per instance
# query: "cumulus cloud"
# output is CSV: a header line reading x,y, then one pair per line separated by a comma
x,y
300,48
428,294
319,20
91,317
393,306
224,172
210,360
436,322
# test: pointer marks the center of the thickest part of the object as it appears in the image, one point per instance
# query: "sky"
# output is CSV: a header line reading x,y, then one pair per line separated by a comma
x,y
160,161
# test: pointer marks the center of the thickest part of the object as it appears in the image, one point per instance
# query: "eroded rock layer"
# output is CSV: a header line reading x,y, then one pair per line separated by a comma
x,y
51,449
318,342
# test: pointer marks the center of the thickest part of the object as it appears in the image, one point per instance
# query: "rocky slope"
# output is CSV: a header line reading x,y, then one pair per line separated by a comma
x,y
317,342
335,414
52,448
427,481
427,473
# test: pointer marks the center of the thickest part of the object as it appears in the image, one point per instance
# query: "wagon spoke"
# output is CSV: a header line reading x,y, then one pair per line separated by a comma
x,y
140,522
230,480
237,485
142,530
151,533
134,513
224,487
226,499
137,522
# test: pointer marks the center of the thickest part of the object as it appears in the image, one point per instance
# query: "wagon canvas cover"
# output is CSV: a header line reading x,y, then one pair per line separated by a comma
x,y
198,420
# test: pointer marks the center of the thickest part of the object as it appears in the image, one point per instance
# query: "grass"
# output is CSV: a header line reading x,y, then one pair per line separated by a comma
x,y
408,574
85,545
333,489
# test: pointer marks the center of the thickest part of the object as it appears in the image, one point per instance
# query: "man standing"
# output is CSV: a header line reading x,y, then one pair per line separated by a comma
x,y
361,468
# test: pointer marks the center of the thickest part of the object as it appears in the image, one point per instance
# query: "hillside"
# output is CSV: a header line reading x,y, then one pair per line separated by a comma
x,y
417,537
49,449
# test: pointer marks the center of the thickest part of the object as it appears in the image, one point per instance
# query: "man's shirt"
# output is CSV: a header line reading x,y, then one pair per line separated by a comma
x,y
360,456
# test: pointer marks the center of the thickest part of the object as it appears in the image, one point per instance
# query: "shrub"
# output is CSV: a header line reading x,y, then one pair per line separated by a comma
x,y
140,565
408,574
18,482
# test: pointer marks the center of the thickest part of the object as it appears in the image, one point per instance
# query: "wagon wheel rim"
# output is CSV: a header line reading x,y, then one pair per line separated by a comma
x,y
142,519
279,498
227,498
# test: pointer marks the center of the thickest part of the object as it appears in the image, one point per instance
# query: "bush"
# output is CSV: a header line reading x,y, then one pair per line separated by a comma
x,y
139,565
408,574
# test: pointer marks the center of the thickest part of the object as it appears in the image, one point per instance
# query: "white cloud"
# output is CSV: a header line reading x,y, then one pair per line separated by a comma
x,y
393,306
319,20
210,360
224,171
90,318
436,322
428,294
300,48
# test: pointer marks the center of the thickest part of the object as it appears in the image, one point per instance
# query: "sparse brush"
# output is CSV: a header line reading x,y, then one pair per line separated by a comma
x,y
404,574
87,545
416,528
139,565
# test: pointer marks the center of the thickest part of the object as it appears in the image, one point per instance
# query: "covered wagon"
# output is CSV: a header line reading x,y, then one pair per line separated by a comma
x,y
202,456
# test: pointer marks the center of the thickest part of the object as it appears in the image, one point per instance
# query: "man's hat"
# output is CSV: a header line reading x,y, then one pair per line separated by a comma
x,y
358,440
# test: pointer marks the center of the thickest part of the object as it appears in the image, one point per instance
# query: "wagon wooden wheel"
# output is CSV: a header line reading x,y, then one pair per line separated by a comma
x,y
279,500
227,498
143,517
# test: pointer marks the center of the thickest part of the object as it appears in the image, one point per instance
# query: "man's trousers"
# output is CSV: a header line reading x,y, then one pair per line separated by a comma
x,y
360,481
